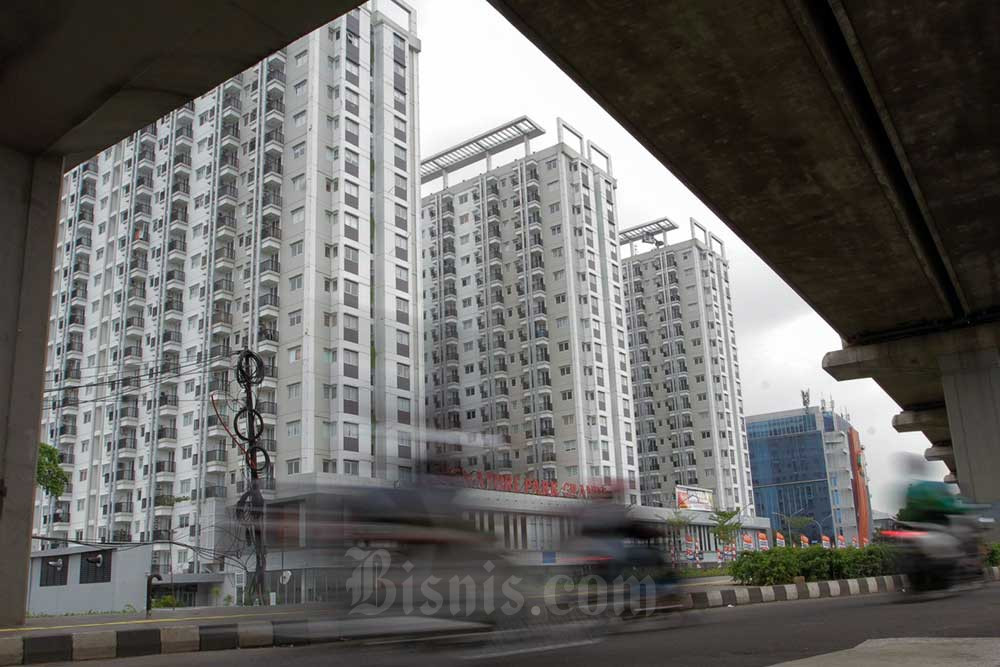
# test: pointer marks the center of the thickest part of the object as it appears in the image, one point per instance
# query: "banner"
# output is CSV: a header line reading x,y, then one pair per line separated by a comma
x,y
826,542
779,539
854,541
841,542
864,541
804,540
689,546
747,541
762,543
695,498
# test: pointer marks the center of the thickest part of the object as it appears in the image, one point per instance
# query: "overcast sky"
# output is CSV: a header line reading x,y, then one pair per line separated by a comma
x,y
477,71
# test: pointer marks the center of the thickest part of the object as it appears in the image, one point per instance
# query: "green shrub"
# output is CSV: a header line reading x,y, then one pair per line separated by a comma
x,y
993,554
165,602
781,565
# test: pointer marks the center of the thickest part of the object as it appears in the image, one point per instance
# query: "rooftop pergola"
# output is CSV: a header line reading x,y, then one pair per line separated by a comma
x,y
648,232
480,147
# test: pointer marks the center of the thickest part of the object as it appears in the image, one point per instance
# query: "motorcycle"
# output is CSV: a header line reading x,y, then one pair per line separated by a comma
x,y
938,556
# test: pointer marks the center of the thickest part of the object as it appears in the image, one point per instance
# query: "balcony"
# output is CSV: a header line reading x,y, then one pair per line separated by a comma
x,y
274,114
225,256
177,250
273,171
228,194
275,80
215,460
232,107
134,325
171,339
173,309
220,356
182,162
168,403
272,203
175,279
267,340
268,305
225,226
270,272
230,136
270,238
183,135
274,141
167,433
213,492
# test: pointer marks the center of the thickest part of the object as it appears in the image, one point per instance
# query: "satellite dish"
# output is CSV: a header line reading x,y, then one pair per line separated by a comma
x,y
286,576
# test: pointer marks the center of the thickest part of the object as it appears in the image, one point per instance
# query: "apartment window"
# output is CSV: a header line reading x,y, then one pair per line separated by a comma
x,y
402,246
351,193
402,376
351,400
329,355
352,131
330,466
399,128
292,466
351,101
300,88
297,248
299,119
401,216
295,390
403,410
400,186
351,467
351,71
351,363
299,149
351,434
351,259
299,215
399,100
402,279
300,58
295,283
402,343
351,162
402,311
295,318
299,183
294,354
293,428
351,226
351,328
351,292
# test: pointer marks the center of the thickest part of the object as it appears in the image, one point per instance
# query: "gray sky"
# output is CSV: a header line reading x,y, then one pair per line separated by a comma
x,y
477,71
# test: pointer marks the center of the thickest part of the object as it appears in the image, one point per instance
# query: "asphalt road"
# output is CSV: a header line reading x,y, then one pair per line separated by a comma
x,y
765,634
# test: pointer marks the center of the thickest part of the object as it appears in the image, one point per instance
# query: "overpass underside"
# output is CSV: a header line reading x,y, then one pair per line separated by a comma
x,y
855,147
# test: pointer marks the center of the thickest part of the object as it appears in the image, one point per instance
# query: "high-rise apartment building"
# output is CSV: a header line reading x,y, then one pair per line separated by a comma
x,y
526,369
685,367
276,212
810,463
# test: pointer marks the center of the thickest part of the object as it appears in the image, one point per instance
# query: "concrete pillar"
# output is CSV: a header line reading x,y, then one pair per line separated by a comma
x,y
29,201
971,382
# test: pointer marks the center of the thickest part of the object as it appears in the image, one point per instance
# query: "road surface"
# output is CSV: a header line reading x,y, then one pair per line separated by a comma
x,y
763,634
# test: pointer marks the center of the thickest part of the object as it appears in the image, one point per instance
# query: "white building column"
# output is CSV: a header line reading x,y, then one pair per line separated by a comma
x,y
29,200
971,382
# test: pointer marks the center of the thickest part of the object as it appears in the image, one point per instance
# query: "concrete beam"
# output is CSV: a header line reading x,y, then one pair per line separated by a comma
x,y
29,200
940,453
911,421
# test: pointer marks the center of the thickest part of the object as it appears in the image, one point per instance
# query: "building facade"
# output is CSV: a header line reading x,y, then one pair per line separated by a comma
x,y
527,374
685,367
810,463
277,213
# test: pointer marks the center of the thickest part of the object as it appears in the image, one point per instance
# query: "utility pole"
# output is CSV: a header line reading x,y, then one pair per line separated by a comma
x,y
250,506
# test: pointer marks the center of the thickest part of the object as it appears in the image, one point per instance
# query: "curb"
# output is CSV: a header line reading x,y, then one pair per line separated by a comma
x,y
809,591
102,645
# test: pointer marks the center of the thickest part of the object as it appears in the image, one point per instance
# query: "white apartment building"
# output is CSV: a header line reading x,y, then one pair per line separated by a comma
x,y
526,369
685,367
276,212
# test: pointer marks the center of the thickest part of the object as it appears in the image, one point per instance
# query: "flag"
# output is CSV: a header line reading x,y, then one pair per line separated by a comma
x,y
841,542
762,541
804,540
854,541
779,540
826,542
747,541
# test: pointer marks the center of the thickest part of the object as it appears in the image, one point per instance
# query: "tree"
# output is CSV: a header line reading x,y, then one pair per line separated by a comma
x,y
678,529
49,475
796,526
727,525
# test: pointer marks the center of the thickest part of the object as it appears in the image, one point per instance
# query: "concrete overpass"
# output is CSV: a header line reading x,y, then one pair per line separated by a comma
x,y
855,146
77,77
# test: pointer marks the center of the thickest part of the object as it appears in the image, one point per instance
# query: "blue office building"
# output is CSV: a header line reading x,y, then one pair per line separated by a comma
x,y
802,464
